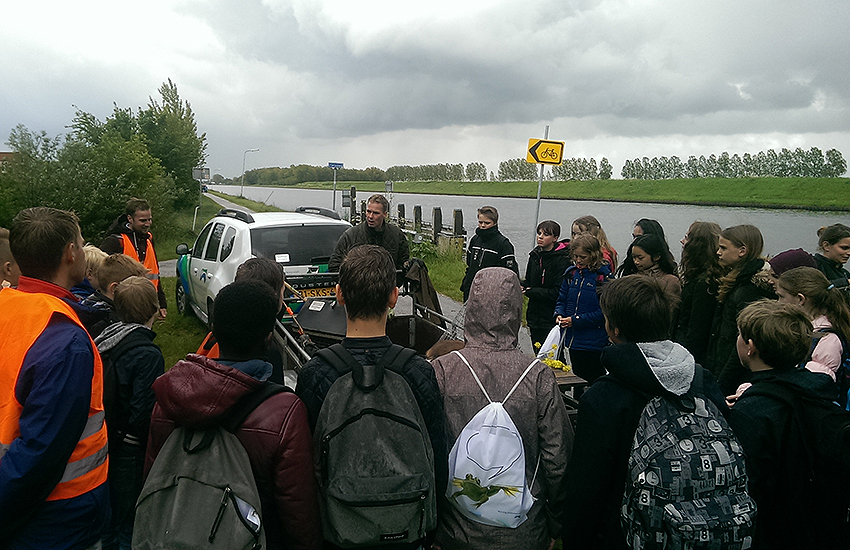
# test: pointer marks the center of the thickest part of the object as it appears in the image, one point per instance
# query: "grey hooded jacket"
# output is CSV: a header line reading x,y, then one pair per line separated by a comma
x,y
492,322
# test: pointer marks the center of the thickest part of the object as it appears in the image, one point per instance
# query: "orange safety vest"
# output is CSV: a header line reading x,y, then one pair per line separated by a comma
x,y
26,316
209,347
150,257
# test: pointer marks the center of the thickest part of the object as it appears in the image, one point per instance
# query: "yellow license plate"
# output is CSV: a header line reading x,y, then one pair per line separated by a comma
x,y
317,292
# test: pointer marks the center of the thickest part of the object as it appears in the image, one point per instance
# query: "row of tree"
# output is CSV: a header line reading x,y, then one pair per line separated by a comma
x,y
98,165
784,164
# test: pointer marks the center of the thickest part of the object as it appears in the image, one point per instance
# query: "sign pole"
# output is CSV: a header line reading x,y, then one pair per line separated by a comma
x,y
539,187
335,166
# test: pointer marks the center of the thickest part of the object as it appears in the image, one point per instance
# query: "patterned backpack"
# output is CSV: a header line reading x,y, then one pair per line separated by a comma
x,y
687,483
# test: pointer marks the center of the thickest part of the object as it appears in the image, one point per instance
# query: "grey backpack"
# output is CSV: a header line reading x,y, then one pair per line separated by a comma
x,y
687,481
200,492
373,456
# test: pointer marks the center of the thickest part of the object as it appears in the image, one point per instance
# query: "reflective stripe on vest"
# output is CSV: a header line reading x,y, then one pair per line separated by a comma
x,y
23,318
150,262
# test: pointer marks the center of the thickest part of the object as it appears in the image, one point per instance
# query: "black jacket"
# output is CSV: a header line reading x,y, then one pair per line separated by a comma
x,y
317,377
608,416
389,236
138,362
696,313
761,423
722,358
543,276
488,248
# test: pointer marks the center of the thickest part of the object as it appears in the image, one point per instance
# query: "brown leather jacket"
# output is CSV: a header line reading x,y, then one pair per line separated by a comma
x,y
197,391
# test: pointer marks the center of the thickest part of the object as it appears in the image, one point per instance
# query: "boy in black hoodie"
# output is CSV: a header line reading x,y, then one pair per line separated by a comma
x,y
641,364
131,364
488,248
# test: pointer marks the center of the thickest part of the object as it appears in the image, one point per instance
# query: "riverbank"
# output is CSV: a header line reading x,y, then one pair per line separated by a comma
x,y
814,194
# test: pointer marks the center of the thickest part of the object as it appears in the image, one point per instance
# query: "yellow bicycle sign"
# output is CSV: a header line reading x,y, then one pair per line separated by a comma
x,y
542,151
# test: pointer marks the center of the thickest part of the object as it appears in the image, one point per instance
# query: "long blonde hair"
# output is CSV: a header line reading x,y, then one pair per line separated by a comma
x,y
749,237
591,225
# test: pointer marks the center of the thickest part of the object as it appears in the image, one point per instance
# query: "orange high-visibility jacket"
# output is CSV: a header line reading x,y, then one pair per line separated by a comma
x,y
150,262
30,314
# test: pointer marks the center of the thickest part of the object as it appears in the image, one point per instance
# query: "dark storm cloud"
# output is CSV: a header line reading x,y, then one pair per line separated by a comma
x,y
652,68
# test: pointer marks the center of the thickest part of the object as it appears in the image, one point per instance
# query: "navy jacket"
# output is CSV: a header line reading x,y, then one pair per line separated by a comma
x,y
579,299
55,383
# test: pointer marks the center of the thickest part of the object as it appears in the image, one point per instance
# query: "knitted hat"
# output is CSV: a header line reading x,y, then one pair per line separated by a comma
x,y
790,259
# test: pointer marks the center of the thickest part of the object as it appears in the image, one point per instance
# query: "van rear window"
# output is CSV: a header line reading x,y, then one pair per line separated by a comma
x,y
300,244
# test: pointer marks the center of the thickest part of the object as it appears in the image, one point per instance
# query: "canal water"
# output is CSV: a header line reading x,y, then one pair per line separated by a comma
x,y
782,229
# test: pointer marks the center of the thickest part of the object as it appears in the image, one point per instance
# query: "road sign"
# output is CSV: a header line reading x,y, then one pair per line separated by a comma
x,y
201,174
335,165
543,151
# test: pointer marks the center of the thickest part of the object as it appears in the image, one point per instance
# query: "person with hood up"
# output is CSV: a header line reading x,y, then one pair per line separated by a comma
x,y
543,276
488,248
642,363
127,346
198,392
492,322
130,234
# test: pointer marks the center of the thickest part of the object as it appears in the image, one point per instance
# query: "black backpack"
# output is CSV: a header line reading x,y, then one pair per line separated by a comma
x,y
687,481
814,466
373,454
201,492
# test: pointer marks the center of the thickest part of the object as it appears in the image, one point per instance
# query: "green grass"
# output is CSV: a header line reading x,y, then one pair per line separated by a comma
x,y
178,334
180,230
809,193
256,206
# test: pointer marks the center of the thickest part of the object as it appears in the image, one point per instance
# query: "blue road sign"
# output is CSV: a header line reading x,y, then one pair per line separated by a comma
x,y
335,165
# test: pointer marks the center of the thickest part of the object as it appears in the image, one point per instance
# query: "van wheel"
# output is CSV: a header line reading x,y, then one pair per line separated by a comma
x,y
183,306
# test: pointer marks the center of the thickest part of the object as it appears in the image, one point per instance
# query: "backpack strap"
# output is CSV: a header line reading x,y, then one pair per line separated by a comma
x,y
339,358
366,377
235,416
480,385
246,405
475,376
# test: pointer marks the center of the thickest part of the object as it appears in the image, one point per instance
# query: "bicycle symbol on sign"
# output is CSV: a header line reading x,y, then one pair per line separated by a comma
x,y
549,153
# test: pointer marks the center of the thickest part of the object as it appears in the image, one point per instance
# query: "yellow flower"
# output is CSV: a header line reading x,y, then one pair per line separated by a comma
x,y
555,364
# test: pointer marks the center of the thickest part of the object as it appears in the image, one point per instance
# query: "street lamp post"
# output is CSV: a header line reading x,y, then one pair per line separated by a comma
x,y
242,184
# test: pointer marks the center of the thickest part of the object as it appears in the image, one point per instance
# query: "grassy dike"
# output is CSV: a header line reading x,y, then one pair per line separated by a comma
x,y
795,193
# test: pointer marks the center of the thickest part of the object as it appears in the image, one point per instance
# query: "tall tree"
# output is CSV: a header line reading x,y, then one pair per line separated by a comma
x,y
172,137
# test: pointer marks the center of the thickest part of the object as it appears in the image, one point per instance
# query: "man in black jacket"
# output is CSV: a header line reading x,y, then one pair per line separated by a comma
x,y
131,364
373,230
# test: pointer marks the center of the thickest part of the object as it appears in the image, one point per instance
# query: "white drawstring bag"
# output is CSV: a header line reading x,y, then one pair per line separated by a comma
x,y
553,346
487,481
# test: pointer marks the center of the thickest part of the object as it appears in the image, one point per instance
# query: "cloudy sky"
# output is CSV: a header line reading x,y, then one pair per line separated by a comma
x,y
380,82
